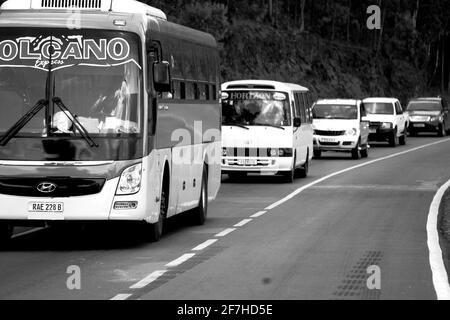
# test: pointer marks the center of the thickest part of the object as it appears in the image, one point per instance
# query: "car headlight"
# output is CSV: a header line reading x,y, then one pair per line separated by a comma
x,y
437,118
130,180
386,125
352,132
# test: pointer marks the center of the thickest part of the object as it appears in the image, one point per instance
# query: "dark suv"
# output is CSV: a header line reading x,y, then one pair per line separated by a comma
x,y
428,115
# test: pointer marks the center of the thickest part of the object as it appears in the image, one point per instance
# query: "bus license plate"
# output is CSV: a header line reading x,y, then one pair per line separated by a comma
x,y
46,210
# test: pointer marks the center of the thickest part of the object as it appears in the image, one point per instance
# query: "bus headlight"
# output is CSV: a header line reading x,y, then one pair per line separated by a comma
x,y
130,181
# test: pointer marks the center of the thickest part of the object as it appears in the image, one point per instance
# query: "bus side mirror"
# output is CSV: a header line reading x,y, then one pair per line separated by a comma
x,y
161,76
297,122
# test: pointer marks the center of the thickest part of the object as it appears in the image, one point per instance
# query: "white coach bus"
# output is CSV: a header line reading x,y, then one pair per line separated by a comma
x,y
108,112
266,129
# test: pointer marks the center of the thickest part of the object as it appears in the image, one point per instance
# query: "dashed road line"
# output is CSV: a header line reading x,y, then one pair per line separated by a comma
x,y
243,223
258,214
225,232
205,245
180,260
149,279
121,297
440,277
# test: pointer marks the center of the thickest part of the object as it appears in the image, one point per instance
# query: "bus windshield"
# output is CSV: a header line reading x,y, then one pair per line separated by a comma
x,y
335,112
253,108
96,74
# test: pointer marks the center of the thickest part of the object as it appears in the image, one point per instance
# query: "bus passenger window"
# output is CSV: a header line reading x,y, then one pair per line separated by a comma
x,y
196,91
207,95
183,90
214,92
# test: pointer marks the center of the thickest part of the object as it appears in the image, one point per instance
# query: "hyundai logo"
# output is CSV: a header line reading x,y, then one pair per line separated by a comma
x,y
47,187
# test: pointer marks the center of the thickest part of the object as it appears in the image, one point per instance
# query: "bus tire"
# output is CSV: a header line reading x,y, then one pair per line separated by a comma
x,y
153,232
200,213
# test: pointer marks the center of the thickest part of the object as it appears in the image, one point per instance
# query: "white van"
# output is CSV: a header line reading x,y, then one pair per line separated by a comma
x,y
340,125
266,128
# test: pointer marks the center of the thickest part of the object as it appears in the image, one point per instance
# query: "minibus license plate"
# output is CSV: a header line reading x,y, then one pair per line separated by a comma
x,y
248,162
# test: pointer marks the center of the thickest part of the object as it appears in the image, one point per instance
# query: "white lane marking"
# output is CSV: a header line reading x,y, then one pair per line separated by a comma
x,y
440,277
365,164
205,245
121,297
27,233
242,223
258,214
180,260
149,279
225,232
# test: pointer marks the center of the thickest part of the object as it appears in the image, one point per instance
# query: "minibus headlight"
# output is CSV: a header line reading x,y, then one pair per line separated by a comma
x,y
224,152
386,125
130,181
274,152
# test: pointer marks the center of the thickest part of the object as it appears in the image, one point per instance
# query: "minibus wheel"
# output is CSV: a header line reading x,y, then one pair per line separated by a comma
x,y
289,176
201,212
303,171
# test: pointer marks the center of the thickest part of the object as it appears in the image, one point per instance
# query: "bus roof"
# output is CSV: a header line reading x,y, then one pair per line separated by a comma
x,y
133,16
123,6
262,85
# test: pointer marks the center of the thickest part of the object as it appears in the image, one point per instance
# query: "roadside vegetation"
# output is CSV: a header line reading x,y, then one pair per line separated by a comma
x,y
326,44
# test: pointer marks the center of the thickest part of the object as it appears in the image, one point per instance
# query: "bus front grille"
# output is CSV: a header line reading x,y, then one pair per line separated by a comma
x,y
63,187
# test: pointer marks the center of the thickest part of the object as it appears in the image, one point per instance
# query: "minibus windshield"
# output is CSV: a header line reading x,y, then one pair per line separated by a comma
x,y
336,112
256,108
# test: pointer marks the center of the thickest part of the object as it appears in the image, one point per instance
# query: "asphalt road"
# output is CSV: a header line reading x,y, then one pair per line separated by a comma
x,y
316,245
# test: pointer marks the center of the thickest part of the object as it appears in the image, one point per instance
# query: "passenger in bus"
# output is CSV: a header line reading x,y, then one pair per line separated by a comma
x,y
272,113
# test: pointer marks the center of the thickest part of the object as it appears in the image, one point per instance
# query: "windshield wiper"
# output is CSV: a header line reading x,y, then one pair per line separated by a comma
x,y
236,125
269,125
84,133
14,130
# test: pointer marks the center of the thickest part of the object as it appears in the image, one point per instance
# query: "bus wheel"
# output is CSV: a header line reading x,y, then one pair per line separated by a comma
x,y
154,231
6,231
201,212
